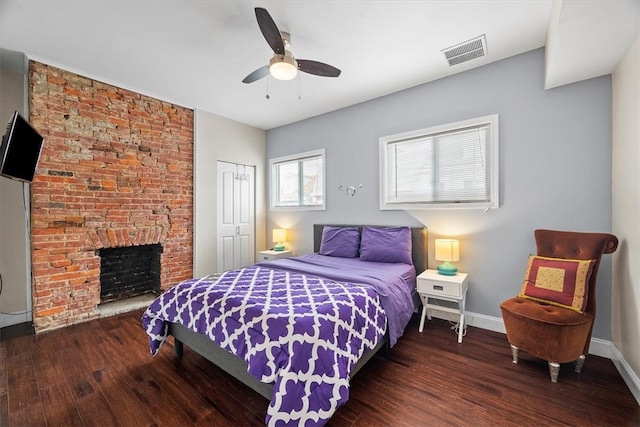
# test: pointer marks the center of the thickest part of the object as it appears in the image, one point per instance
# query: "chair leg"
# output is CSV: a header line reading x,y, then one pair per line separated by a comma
x,y
514,353
554,370
580,363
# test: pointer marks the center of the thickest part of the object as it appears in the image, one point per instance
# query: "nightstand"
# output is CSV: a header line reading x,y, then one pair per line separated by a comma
x,y
270,255
435,286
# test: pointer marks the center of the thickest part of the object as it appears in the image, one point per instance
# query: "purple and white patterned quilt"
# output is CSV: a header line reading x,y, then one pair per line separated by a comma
x,y
302,333
393,282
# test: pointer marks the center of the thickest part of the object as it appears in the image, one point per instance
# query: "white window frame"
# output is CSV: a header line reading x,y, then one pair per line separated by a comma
x,y
273,179
493,170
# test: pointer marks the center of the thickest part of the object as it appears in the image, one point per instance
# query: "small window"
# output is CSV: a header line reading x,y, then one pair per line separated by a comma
x,y
297,182
450,166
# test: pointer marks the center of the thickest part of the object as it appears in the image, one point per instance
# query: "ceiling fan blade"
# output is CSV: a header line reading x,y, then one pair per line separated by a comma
x,y
317,68
270,30
257,74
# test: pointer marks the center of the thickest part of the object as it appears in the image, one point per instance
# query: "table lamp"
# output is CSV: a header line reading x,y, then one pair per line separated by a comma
x,y
279,237
447,250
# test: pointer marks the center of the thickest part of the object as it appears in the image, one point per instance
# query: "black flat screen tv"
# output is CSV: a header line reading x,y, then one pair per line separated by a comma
x,y
20,150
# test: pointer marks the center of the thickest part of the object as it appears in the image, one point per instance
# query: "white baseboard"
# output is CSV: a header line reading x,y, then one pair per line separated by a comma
x,y
9,319
629,377
598,347
483,321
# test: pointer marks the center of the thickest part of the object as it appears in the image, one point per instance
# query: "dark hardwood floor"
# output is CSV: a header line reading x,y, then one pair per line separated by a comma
x,y
100,373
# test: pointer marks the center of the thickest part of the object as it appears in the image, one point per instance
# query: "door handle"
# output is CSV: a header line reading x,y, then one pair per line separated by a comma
x,y
237,230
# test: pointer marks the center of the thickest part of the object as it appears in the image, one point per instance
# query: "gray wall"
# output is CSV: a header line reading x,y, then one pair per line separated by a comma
x,y
555,169
15,262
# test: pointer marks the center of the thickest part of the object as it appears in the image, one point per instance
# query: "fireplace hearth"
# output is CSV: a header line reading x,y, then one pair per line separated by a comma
x,y
128,272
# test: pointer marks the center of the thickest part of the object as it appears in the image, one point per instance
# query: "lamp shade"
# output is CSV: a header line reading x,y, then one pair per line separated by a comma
x,y
279,235
447,250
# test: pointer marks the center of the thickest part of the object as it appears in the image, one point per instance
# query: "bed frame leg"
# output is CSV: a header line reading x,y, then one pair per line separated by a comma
x,y
178,347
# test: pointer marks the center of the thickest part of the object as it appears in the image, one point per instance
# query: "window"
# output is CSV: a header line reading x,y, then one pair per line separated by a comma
x,y
298,181
449,166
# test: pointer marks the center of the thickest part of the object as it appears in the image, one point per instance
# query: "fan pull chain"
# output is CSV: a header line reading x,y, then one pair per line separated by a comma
x,y
267,88
299,91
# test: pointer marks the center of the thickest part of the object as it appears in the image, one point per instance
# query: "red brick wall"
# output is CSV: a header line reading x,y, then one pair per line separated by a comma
x,y
116,170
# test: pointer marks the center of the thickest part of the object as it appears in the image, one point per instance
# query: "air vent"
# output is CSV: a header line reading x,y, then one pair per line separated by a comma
x,y
466,51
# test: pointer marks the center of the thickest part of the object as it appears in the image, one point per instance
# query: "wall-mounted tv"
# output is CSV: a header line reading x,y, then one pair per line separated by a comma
x,y
20,150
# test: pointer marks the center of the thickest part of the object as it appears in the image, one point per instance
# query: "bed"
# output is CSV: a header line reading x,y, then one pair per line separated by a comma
x,y
296,330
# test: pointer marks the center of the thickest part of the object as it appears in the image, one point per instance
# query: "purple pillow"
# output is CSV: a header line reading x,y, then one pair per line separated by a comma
x,y
341,242
386,244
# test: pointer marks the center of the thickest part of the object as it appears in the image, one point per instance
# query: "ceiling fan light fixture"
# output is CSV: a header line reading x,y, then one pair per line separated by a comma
x,y
283,67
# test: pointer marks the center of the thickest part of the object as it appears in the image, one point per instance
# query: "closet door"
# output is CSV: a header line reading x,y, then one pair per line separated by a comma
x,y
236,215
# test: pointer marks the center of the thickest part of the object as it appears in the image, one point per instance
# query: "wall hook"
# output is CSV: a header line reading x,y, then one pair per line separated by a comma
x,y
349,190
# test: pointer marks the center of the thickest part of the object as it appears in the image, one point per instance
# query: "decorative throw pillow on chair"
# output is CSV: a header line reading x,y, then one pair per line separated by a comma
x,y
558,281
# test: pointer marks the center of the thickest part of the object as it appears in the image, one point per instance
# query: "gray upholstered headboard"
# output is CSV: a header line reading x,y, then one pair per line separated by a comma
x,y
419,248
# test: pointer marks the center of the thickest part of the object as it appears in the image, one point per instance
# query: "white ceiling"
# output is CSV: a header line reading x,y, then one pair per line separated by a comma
x,y
195,53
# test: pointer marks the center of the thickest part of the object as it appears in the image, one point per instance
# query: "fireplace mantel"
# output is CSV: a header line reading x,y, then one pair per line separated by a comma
x,y
121,237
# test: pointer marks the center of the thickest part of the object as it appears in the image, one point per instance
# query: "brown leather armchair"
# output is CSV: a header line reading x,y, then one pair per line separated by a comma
x,y
556,334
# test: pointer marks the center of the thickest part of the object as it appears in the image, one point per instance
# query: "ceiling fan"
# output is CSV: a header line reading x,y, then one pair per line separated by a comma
x,y
283,65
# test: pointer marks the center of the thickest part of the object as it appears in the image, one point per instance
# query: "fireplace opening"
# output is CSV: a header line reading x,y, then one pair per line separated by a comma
x,y
127,272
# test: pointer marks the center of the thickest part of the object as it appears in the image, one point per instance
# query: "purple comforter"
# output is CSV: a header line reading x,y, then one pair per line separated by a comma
x,y
301,332
394,283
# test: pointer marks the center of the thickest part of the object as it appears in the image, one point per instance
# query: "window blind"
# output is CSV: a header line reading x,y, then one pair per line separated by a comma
x,y
446,167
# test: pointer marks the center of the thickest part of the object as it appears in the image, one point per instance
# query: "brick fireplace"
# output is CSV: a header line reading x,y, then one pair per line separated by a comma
x,y
116,170
129,271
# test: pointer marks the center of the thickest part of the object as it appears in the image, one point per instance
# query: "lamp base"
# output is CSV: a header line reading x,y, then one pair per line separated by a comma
x,y
279,247
447,269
